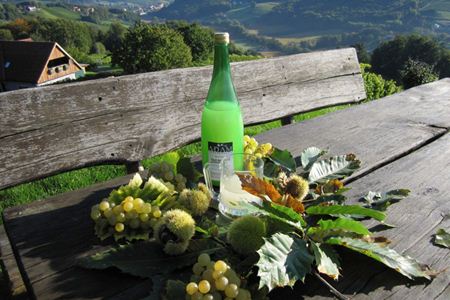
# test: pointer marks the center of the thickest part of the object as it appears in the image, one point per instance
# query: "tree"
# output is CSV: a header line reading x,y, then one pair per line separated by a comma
x,y
200,39
416,72
114,36
361,51
6,35
151,48
69,34
377,87
390,57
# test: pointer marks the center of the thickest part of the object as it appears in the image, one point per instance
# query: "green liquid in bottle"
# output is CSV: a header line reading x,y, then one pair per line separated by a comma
x,y
222,125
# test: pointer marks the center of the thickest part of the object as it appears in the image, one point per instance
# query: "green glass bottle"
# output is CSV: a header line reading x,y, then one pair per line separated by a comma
x,y
222,125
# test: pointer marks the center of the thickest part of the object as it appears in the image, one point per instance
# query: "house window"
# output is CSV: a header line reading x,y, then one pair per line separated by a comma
x,y
58,65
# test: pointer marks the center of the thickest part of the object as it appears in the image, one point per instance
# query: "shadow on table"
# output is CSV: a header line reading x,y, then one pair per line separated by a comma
x,y
50,242
361,276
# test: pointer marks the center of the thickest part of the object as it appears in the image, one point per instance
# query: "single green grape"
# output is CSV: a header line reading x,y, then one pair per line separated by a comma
x,y
220,265
197,296
108,213
143,217
104,205
208,297
157,213
191,288
120,217
204,259
208,275
146,208
128,199
128,206
197,269
221,283
231,290
204,286
95,215
119,227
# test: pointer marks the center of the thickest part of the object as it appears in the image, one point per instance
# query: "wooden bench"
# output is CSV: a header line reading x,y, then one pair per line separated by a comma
x,y
403,141
50,130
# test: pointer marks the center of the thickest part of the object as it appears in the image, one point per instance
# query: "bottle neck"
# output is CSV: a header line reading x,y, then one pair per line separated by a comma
x,y
221,60
221,88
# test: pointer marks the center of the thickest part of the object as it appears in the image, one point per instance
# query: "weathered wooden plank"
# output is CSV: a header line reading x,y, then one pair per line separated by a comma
x,y
128,118
377,132
11,274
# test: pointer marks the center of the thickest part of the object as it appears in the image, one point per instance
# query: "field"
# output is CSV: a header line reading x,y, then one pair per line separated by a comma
x,y
73,180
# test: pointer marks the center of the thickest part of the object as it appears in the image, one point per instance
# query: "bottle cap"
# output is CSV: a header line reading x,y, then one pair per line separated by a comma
x,y
222,37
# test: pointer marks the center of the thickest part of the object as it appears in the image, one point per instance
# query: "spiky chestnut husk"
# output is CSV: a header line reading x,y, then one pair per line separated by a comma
x,y
202,187
174,231
246,234
297,187
282,180
196,201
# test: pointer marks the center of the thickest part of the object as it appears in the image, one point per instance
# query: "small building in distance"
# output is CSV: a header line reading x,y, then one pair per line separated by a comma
x,y
25,64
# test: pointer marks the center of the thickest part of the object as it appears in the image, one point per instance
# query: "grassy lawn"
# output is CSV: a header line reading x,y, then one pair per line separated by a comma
x,y
77,179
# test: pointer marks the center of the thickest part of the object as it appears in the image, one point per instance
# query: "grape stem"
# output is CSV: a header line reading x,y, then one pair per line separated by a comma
x,y
332,289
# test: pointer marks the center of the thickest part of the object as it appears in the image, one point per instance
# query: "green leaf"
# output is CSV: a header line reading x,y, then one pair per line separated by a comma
x,y
277,213
328,227
327,261
332,168
284,159
282,261
271,170
381,201
402,264
442,238
147,259
187,169
349,210
309,156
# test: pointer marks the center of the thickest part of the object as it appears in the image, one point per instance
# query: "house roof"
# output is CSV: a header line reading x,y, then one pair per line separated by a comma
x,y
24,61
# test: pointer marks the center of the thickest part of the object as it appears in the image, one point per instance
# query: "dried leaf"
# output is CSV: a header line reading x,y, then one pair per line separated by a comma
x,y
295,204
259,187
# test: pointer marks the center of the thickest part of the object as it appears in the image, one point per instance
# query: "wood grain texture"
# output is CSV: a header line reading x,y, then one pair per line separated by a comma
x,y
393,128
11,274
378,132
57,128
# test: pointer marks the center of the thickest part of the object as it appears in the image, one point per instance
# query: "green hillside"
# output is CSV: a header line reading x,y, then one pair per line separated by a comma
x,y
316,24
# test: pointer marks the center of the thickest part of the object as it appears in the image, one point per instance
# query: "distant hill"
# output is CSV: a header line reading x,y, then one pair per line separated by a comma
x,y
311,24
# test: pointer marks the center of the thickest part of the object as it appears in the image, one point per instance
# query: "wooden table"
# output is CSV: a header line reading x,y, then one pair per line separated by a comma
x,y
403,142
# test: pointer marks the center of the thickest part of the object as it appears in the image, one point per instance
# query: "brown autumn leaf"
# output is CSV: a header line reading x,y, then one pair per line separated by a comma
x,y
295,204
259,187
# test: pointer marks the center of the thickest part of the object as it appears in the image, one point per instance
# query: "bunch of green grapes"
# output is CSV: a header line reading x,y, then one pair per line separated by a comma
x,y
166,172
130,214
214,281
251,146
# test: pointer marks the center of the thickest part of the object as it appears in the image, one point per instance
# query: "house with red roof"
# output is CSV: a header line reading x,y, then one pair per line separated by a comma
x,y
25,64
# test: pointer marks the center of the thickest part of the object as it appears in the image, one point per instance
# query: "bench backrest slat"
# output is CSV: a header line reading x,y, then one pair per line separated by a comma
x,y
48,130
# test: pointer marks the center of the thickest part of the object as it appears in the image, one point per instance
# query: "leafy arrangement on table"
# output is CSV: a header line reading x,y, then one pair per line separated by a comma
x,y
292,234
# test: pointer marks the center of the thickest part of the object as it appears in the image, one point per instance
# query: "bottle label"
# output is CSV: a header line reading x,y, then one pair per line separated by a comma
x,y
216,152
